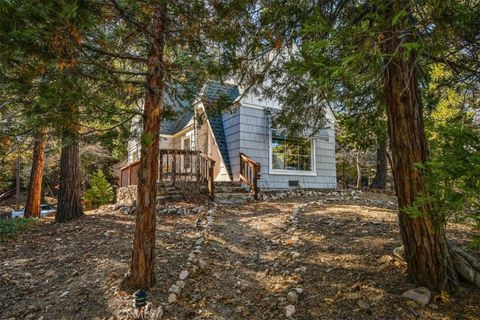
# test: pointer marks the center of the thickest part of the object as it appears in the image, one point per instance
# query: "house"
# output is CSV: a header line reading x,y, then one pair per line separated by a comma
x,y
245,127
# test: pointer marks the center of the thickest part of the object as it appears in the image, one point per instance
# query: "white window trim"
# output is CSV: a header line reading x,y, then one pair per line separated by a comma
x,y
312,173
188,135
185,137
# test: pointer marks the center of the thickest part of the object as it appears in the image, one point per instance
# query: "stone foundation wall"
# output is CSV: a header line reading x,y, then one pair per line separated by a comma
x,y
126,196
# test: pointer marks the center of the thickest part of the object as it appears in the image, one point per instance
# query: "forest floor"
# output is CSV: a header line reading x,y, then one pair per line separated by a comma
x,y
322,257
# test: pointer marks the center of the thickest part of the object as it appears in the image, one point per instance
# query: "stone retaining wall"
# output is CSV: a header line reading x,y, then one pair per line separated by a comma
x,y
127,195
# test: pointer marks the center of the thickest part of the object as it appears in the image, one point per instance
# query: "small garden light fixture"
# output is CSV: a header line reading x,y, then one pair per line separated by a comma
x,y
140,301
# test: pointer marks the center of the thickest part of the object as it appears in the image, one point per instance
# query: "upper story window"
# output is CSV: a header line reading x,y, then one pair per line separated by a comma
x,y
291,154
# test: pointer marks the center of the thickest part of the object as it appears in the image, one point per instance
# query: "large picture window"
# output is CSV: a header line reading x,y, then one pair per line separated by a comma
x,y
291,153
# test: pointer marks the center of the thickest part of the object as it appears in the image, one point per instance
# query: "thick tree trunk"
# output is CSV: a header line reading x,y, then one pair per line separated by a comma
x,y
69,202
141,273
380,180
426,251
34,196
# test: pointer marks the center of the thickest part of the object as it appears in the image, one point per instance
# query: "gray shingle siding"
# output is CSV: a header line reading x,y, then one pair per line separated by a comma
x,y
231,125
254,133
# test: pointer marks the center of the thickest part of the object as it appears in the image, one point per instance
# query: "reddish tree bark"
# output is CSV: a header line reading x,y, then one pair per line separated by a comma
x,y
69,201
426,251
34,196
141,273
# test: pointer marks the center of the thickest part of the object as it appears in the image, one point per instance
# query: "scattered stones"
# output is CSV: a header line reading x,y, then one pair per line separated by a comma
x,y
328,196
158,314
183,275
239,309
172,297
49,273
301,269
193,257
363,304
420,295
180,283
299,290
292,297
185,295
199,241
202,264
295,255
175,289
124,210
172,210
289,310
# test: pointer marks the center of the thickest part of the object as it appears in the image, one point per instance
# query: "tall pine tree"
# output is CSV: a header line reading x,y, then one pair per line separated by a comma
x,y
314,52
154,50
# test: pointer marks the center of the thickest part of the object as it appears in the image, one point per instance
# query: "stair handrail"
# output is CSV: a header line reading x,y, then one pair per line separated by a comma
x,y
250,173
207,166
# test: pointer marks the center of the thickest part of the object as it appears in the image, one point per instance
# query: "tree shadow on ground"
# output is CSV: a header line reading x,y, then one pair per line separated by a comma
x,y
72,270
251,267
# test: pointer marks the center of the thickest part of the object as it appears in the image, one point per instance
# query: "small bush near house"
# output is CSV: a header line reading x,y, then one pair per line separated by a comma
x,y
100,191
10,227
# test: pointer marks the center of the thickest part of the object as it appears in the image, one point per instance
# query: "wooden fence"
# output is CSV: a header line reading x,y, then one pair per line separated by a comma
x,y
129,174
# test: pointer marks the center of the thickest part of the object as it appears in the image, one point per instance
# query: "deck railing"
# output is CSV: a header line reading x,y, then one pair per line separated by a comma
x,y
187,165
250,173
207,166
176,165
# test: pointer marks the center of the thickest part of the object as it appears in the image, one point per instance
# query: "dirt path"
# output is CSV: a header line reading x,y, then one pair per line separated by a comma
x,y
328,259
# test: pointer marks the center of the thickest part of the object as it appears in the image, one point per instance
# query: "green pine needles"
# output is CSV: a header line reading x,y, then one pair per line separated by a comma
x,y
100,191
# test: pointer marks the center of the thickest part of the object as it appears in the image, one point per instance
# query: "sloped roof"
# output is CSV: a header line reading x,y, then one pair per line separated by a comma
x,y
179,109
214,91
214,95
173,126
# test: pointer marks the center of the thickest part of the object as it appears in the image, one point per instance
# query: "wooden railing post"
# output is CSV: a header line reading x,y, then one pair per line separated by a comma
x,y
211,180
174,166
129,175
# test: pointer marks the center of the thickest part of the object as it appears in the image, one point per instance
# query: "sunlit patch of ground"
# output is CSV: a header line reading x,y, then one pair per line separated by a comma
x,y
338,254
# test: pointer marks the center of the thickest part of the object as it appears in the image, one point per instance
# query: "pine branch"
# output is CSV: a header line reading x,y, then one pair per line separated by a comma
x,y
114,54
93,129
130,20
